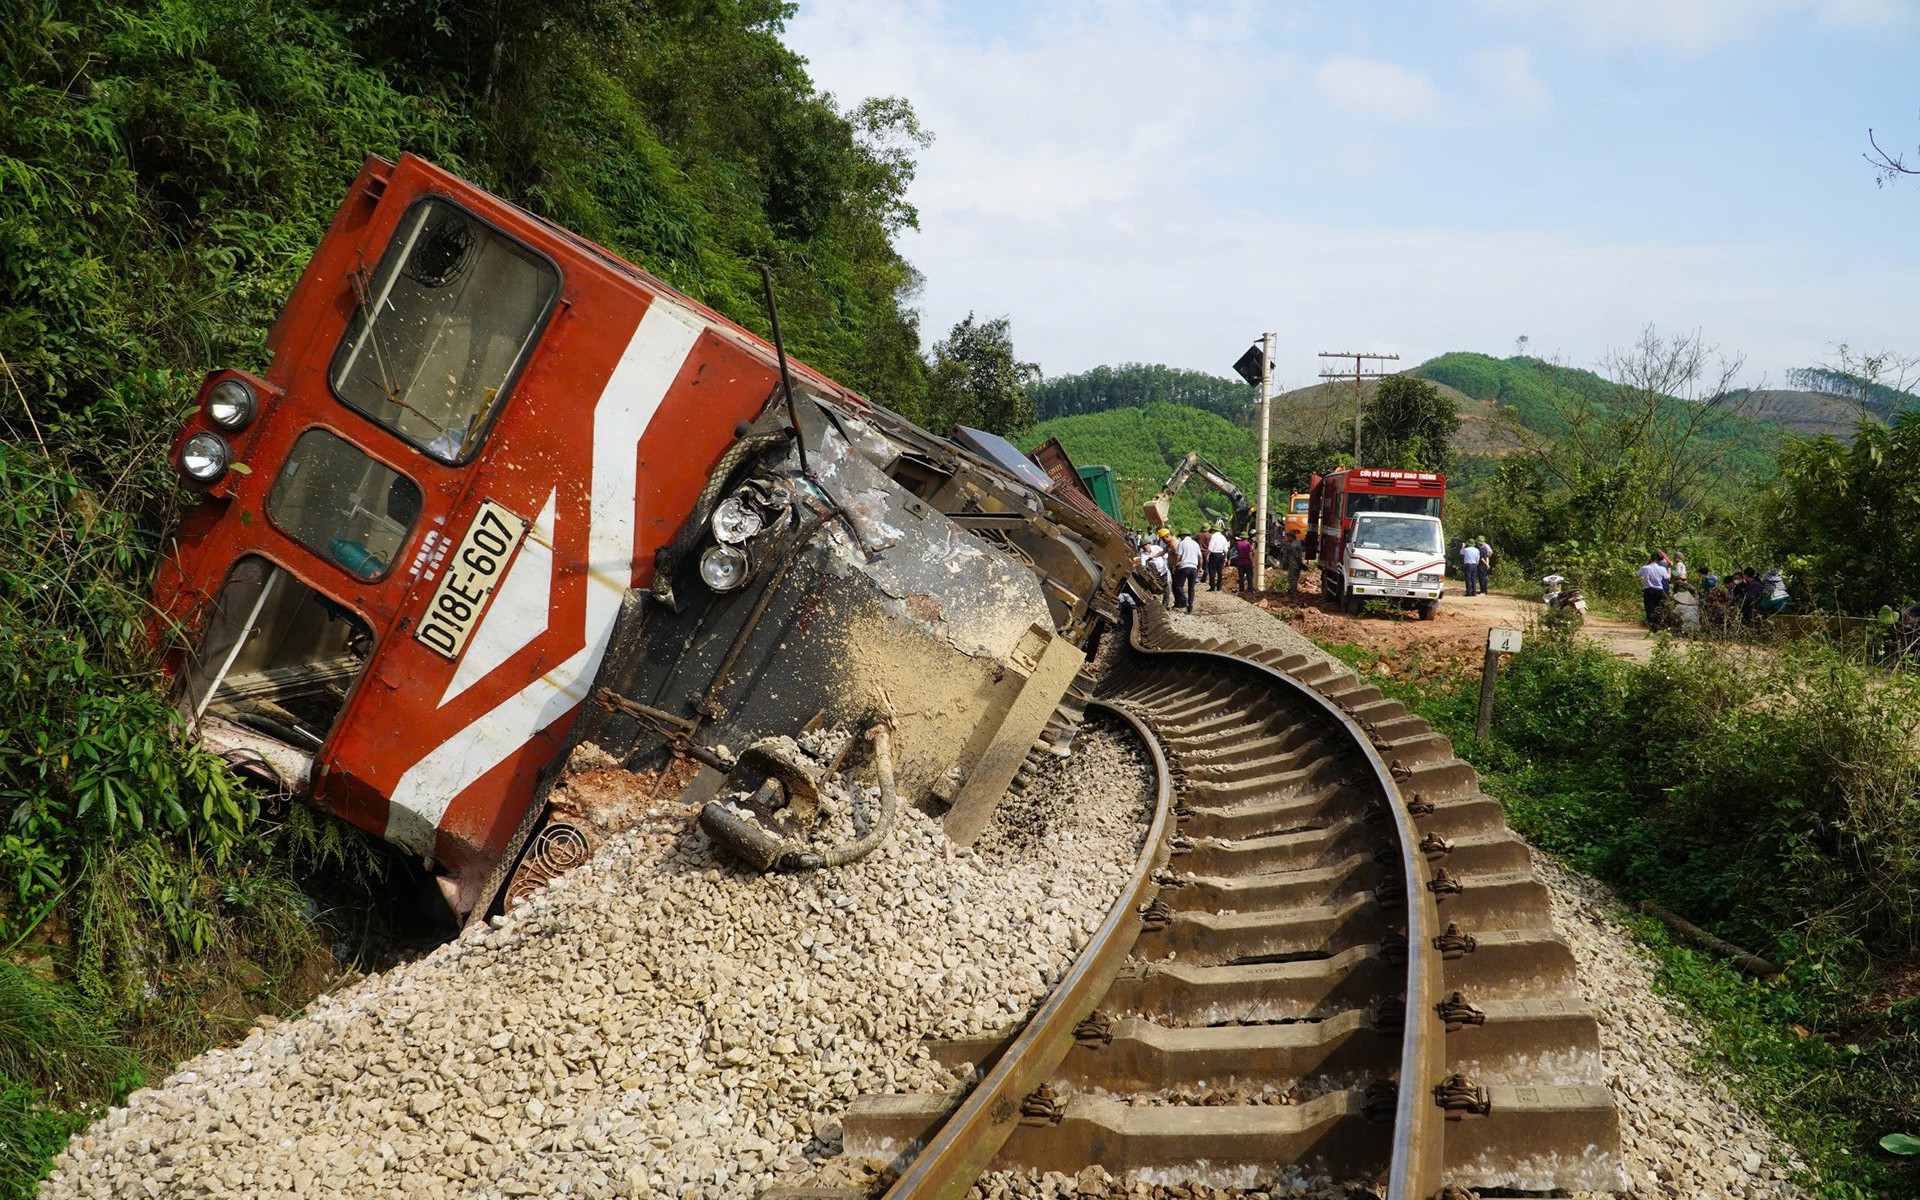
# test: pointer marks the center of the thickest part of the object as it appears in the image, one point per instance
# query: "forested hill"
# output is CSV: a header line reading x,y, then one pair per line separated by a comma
x,y
165,170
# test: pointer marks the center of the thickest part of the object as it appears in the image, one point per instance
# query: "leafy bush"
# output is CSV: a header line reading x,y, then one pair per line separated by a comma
x,y
1772,799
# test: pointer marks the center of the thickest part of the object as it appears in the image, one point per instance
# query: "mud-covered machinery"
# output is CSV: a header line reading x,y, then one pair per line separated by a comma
x,y
862,591
496,479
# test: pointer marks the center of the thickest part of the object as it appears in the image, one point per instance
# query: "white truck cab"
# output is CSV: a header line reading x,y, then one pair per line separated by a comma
x,y
1394,556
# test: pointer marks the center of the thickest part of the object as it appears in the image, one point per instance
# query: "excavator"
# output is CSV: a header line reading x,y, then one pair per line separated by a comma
x,y
1191,465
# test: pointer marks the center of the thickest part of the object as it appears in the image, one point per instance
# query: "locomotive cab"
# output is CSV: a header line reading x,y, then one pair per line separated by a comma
x,y
479,440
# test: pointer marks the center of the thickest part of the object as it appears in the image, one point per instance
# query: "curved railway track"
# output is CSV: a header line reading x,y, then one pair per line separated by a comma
x,y
1330,964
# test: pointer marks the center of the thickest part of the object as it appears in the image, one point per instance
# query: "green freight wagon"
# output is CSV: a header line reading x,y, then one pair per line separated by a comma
x,y
1106,493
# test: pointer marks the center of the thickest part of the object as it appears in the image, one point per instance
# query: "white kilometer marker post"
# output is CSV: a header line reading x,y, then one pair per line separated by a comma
x,y
1499,641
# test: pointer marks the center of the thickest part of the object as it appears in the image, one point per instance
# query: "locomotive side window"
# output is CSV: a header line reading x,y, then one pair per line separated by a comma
x,y
278,657
441,328
342,505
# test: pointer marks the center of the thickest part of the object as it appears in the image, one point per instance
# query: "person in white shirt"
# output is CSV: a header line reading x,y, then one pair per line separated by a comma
x,y
1654,581
1186,571
1217,547
1470,567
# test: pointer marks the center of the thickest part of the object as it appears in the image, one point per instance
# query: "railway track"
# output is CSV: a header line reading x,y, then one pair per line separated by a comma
x,y
1330,965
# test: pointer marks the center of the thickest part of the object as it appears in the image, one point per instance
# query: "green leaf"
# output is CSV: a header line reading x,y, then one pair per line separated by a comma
x,y
1900,1143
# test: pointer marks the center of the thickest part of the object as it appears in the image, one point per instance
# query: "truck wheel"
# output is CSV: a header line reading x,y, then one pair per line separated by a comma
x,y
1349,603
1427,609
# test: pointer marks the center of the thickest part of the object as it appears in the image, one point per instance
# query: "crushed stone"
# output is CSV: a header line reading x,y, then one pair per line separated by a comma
x,y
656,1023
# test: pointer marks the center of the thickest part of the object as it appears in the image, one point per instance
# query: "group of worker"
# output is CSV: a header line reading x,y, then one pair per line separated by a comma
x,y
1748,595
1181,562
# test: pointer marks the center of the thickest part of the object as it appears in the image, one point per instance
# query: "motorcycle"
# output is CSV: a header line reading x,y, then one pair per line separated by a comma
x,y
1560,597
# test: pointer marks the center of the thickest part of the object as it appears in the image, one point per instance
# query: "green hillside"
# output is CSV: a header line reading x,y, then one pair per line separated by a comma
x,y
1142,444
1540,396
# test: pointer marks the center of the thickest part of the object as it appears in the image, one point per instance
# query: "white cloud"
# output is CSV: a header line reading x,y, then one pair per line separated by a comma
x,y
1517,88
1376,88
1692,27
1108,175
1096,102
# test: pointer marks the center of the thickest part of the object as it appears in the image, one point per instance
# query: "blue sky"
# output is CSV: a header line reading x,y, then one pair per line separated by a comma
x,y
1162,182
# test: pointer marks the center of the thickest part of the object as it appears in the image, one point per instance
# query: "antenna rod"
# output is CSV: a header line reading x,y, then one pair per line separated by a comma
x,y
786,380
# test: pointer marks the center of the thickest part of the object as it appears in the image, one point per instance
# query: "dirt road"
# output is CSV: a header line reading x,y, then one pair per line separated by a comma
x,y
1458,630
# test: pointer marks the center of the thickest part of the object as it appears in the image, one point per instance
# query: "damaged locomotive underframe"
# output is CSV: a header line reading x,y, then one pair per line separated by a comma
x,y
905,600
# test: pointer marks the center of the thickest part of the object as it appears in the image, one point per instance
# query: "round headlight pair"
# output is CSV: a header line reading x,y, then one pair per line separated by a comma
x,y
724,568
231,404
205,457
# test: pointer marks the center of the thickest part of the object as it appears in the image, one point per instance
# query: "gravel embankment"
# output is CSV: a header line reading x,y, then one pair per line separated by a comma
x,y
1682,1134
656,1023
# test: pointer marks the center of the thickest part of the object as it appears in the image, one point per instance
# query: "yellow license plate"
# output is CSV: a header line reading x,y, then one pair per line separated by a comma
x,y
471,572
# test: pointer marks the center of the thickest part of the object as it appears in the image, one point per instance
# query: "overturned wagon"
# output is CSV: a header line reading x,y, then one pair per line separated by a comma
x,y
496,478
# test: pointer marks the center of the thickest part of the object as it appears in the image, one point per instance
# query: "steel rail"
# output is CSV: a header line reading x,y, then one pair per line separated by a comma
x,y
1415,1170
973,1134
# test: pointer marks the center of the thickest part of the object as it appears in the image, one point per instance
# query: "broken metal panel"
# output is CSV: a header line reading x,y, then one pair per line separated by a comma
x,y
883,603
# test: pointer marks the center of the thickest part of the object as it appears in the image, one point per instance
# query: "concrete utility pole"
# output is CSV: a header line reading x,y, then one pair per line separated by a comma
x,y
1266,447
1358,375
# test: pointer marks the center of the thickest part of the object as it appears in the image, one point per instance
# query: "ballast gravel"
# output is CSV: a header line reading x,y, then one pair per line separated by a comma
x,y
1682,1134
656,1023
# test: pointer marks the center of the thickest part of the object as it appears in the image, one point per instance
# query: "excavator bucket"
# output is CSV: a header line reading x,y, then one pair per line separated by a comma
x,y
1157,512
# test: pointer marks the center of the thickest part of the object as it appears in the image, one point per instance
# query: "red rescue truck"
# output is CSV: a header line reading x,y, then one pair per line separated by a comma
x,y
1377,535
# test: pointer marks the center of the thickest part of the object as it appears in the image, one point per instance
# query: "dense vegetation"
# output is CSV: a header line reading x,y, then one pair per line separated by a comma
x,y
1846,519
1774,800
165,170
1133,385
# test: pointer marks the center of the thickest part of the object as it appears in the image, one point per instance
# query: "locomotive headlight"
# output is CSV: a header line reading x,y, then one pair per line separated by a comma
x,y
205,457
723,568
231,404
734,520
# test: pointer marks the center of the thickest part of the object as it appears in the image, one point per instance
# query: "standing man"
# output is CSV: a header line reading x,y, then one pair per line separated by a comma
x,y
1243,563
1654,581
1293,559
1186,571
1486,563
1470,566
1217,547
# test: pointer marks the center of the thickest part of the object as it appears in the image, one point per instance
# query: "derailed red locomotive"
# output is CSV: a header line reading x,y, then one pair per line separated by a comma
x,y
493,472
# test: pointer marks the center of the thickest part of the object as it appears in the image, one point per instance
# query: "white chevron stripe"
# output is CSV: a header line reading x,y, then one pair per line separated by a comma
x,y
633,395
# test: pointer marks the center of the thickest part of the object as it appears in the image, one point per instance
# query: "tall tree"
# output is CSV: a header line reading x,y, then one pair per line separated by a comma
x,y
977,380
1408,423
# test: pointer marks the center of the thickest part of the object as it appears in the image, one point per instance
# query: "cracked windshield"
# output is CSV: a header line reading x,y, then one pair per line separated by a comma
x,y
439,333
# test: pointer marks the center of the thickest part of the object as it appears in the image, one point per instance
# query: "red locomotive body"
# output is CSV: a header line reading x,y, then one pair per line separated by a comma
x,y
419,527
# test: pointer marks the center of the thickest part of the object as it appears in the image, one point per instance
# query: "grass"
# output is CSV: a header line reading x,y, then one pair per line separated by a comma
x,y
1773,803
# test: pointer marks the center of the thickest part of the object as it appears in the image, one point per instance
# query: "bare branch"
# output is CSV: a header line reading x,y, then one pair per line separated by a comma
x,y
1886,167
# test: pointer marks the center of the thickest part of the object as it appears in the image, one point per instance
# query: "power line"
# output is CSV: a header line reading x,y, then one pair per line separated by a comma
x,y
1358,375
